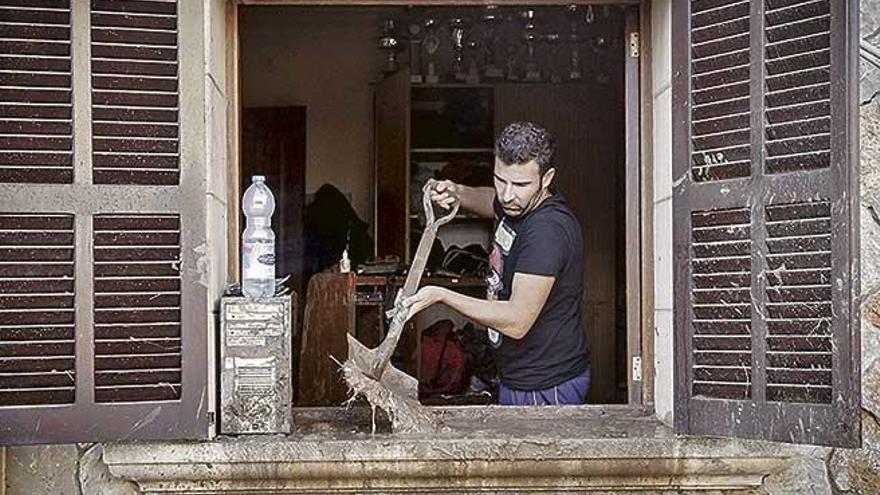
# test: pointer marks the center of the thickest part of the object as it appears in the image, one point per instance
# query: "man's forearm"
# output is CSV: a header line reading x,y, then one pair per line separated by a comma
x,y
499,315
477,199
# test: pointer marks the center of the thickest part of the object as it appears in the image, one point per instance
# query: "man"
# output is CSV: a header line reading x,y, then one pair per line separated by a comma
x,y
534,306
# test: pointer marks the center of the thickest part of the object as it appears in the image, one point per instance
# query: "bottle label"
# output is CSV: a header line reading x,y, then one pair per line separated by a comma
x,y
258,260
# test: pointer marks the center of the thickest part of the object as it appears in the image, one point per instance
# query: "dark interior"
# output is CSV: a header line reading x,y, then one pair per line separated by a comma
x,y
560,67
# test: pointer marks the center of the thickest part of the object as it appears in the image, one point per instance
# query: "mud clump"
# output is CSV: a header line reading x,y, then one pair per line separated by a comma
x,y
407,415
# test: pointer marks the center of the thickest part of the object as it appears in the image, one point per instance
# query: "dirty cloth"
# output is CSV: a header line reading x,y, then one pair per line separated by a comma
x,y
569,392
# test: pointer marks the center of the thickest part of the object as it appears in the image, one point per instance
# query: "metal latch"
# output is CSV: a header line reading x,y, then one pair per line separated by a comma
x,y
634,44
637,369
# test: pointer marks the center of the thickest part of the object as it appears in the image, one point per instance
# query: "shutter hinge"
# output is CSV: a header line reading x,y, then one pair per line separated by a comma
x,y
637,369
634,44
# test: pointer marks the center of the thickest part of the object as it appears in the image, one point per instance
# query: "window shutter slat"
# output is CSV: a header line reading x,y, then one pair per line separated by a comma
x,y
135,92
129,365
36,134
720,71
36,309
766,279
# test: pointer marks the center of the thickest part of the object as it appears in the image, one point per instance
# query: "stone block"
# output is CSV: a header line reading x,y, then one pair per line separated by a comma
x,y
857,472
663,254
663,145
805,475
869,144
871,387
95,477
869,18
41,470
661,44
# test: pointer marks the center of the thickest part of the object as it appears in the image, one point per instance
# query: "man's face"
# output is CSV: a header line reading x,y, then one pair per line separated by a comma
x,y
520,187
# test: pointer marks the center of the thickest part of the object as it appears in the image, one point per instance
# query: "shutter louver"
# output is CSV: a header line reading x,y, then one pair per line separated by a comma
x,y
135,92
798,66
720,81
36,130
765,225
36,309
721,268
137,307
798,310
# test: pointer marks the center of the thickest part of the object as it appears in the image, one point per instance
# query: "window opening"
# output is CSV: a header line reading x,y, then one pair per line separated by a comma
x,y
348,111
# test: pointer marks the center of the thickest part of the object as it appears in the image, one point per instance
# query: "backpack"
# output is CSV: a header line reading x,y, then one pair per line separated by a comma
x,y
444,362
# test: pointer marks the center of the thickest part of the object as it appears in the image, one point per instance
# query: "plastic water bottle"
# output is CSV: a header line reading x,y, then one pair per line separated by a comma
x,y
258,241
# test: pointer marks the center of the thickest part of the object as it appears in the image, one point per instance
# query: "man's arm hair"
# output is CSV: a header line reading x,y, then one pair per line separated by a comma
x,y
514,317
477,199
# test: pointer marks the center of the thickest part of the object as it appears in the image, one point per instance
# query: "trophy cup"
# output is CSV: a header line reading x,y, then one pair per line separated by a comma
x,y
553,41
415,51
473,49
457,33
491,18
431,43
599,44
574,39
510,64
531,37
390,44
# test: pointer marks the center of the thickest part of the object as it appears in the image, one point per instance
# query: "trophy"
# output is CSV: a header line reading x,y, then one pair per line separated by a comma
x,y
531,37
574,39
390,44
553,41
415,51
431,43
491,18
600,46
457,33
510,64
473,49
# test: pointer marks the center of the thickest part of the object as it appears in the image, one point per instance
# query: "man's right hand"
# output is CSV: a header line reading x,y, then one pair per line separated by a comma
x,y
445,193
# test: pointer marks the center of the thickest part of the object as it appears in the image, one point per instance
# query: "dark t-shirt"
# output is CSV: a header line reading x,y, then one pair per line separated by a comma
x,y
547,241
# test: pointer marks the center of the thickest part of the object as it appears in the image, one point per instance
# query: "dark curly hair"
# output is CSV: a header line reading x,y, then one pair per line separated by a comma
x,y
521,142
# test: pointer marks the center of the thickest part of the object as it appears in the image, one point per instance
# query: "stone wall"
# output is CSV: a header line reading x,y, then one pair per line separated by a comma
x,y
858,471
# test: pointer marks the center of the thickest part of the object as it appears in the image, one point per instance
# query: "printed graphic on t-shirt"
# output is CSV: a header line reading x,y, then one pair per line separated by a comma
x,y
504,238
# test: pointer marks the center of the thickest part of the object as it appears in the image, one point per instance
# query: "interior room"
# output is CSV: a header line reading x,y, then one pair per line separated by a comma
x,y
348,111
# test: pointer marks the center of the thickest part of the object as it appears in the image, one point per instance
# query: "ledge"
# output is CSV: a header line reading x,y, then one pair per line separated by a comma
x,y
486,449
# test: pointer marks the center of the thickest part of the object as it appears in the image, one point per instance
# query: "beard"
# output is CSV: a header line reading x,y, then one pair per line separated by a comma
x,y
518,210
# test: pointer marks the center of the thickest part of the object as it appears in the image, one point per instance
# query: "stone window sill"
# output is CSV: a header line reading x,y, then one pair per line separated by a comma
x,y
486,449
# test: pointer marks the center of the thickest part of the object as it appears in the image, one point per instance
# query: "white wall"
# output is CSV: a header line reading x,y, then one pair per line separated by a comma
x,y
324,59
661,43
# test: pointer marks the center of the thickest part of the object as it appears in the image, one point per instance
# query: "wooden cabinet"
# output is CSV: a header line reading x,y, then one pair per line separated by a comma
x,y
424,132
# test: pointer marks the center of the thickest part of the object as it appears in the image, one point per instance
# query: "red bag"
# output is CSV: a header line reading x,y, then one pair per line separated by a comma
x,y
444,362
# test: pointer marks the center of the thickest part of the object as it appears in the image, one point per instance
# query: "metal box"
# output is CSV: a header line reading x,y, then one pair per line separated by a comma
x,y
255,355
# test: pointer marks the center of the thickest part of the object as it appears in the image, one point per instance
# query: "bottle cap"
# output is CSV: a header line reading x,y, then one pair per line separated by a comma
x,y
259,178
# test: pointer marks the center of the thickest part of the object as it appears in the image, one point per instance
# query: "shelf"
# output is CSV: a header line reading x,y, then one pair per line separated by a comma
x,y
452,150
455,85
459,218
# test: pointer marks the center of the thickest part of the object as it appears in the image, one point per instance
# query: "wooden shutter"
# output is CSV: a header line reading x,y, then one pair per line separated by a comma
x,y
765,220
103,312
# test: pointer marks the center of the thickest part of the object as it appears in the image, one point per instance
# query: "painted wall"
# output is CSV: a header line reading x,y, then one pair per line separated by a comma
x,y
326,60
661,42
